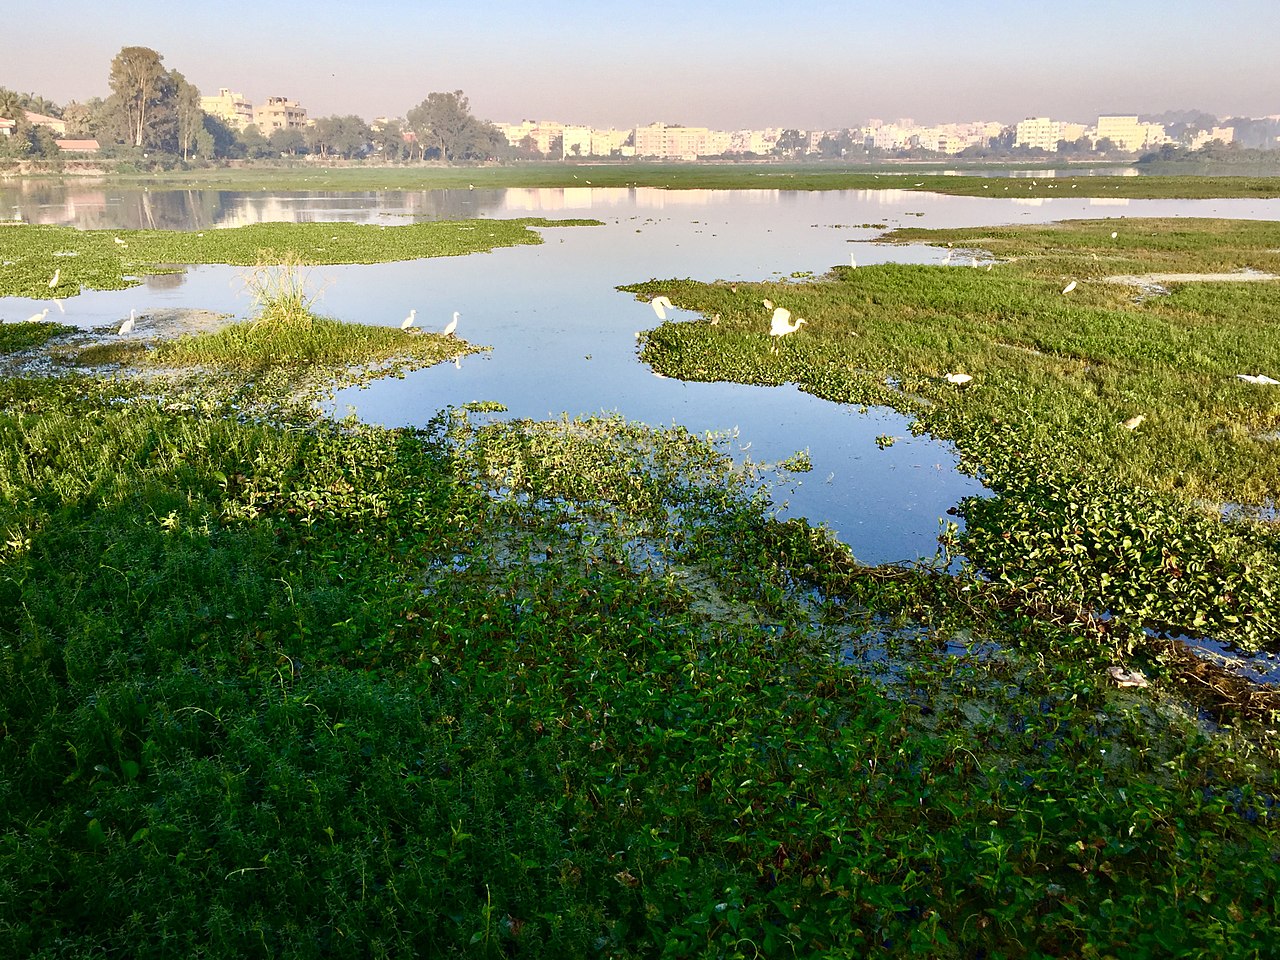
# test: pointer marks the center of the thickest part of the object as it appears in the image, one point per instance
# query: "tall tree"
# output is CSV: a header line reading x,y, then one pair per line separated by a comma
x,y
444,122
138,81
190,118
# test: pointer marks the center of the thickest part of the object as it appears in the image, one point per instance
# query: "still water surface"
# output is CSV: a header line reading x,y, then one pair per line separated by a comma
x,y
563,337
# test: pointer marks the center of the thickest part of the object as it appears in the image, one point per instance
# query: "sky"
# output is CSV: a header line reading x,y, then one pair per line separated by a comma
x,y
725,64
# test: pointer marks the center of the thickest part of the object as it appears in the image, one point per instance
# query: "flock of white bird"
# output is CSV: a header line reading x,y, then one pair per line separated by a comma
x,y
408,322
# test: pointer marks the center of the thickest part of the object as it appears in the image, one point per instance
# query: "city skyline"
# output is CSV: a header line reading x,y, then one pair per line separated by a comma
x,y
818,65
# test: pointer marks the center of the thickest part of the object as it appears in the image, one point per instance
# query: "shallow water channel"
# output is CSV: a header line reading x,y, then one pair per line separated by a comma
x,y
563,338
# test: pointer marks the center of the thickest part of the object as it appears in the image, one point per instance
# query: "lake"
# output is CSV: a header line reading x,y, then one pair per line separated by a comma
x,y
563,337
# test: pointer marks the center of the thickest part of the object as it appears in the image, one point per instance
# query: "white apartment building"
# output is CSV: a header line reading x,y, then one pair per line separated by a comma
x,y
1038,133
576,141
1128,134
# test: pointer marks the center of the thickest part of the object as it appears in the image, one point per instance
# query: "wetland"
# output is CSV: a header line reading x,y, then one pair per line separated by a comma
x,y
323,637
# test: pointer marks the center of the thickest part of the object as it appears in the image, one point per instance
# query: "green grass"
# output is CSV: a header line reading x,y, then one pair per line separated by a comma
x,y
1096,518
344,691
276,686
924,178
16,337
93,259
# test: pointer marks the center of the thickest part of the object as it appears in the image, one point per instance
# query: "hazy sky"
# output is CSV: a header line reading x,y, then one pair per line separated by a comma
x,y
719,63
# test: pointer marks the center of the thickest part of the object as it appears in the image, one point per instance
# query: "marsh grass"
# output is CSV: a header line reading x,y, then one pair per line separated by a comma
x,y
16,337
1098,519
771,175
345,691
92,259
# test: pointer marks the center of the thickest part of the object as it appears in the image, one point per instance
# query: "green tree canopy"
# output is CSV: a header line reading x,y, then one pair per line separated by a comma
x,y
139,83
443,122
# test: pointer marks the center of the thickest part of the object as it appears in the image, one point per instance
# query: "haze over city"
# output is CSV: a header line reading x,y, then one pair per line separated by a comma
x,y
813,64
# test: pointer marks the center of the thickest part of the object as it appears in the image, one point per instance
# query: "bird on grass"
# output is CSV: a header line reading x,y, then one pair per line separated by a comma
x,y
959,379
53,281
38,317
853,264
127,326
781,323
1133,423
1069,287
407,322
768,304
119,242
451,326
660,306
1261,378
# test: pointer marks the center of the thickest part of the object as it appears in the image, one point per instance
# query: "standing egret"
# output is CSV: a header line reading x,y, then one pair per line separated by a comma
x,y
53,281
127,326
1069,287
451,326
407,322
660,306
853,264
1133,423
119,241
768,304
1114,234
38,317
781,324
959,379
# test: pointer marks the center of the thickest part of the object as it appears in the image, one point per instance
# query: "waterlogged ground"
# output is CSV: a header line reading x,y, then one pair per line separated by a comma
x,y
500,683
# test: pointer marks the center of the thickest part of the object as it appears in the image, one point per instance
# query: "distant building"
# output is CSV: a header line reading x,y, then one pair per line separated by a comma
x,y
231,108
1038,133
280,113
6,127
78,146
53,123
575,141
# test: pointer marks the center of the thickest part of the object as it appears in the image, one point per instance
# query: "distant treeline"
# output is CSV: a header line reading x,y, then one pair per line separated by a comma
x,y
1218,158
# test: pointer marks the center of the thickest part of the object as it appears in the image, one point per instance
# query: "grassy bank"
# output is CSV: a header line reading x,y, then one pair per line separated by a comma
x,y
1092,517
274,686
32,256
708,176
548,690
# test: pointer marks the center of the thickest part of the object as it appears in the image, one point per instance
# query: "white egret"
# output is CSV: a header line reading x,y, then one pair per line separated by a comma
x,y
1261,378
127,326
407,322
715,319
781,324
1114,234
1069,287
660,306
119,241
959,379
852,262
38,317
53,281
451,326
768,304
1133,423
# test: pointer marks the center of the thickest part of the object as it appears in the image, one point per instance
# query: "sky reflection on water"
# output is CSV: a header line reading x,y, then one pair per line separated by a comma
x,y
563,337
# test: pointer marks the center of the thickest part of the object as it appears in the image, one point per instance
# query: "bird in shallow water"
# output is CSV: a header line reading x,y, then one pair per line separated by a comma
x,y
38,317
127,326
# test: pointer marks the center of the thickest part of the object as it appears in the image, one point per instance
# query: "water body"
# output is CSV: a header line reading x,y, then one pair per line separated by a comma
x,y
563,337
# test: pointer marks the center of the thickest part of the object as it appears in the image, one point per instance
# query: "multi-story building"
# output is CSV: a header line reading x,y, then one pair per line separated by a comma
x,y
231,108
280,113
1125,132
575,141
1038,133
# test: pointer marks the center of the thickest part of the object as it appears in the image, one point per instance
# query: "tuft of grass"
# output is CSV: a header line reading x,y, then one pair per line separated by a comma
x,y
15,337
